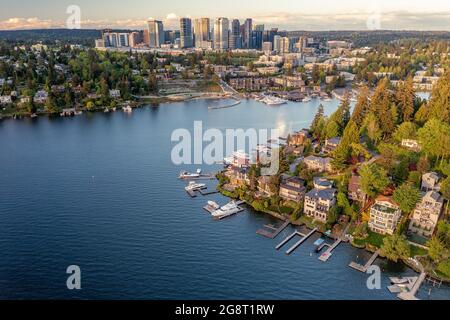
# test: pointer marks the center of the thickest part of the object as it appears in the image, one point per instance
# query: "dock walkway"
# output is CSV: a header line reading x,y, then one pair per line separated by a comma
x,y
411,295
364,268
275,231
292,236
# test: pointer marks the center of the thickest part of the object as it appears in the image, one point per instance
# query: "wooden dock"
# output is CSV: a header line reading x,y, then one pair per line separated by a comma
x,y
209,176
364,268
275,231
411,295
327,254
193,193
299,243
292,236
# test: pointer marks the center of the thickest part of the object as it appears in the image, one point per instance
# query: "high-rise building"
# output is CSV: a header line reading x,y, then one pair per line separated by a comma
x,y
156,33
257,39
259,27
136,38
115,39
202,33
235,35
247,33
267,47
277,43
221,34
186,39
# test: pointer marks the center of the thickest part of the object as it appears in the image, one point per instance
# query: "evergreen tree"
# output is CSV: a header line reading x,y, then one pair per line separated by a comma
x,y
440,99
405,99
362,106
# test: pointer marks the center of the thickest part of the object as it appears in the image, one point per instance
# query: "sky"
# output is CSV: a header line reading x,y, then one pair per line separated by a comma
x,y
284,14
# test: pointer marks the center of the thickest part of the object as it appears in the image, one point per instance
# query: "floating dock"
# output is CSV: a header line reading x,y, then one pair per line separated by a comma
x,y
364,268
209,176
292,236
274,231
192,193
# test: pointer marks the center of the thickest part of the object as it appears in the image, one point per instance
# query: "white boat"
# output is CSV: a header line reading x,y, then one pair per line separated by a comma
x,y
106,110
327,99
273,101
213,205
227,210
34,115
127,109
187,175
192,186
307,99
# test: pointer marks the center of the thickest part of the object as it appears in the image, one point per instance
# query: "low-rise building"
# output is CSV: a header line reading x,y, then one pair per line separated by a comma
x,y
430,181
5,100
115,94
264,186
318,164
318,203
322,183
411,144
250,84
41,96
384,216
331,145
355,193
293,189
298,138
426,214
238,176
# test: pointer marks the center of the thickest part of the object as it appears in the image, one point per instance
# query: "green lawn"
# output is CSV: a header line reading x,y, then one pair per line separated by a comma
x,y
373,239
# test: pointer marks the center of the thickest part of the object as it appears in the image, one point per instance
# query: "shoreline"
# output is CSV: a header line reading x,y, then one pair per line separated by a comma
x,y
366,248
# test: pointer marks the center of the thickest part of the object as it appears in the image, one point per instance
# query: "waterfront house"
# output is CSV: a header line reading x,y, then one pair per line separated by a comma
x,y
240,159
411,145
426,214
298,138
318,203
318,164
293,189
355,192
322,183
430,181
384,216
114,94
238,177
264,186
41,96
331,145
5,100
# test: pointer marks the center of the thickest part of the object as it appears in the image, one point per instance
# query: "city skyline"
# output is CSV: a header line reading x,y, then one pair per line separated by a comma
x,y
301,15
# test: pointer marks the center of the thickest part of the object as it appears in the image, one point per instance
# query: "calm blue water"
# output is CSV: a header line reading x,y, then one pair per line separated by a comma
x,y
100,191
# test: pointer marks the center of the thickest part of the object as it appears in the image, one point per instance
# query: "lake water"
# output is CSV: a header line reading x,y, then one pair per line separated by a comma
x,y
100,191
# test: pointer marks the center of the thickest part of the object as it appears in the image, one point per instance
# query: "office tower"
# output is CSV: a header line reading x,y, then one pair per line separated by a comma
x,y
146,36
136,38
247,33
115,39
156,33
202,33
285,45
186,39
257,39
235,35
259,27
277,43
221,34
267,47
268,35
302,43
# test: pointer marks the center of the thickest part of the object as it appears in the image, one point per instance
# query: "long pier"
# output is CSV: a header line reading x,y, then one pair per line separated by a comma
x,y
364,268
298,244
292,236
411,295
275,231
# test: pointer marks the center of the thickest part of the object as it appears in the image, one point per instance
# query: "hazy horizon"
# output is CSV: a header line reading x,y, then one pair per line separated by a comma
x,y
320,15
